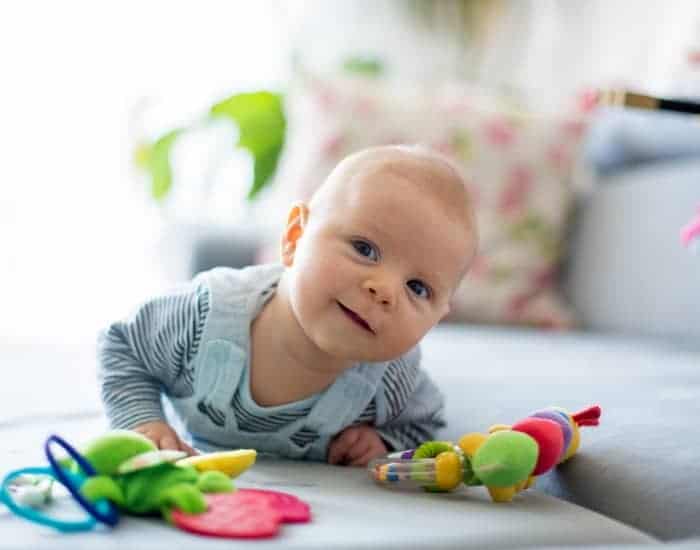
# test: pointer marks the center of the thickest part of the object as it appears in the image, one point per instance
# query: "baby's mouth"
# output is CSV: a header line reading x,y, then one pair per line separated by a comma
x,y
356,318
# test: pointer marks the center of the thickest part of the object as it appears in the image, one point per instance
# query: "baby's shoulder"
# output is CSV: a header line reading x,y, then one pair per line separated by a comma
x,y
233,282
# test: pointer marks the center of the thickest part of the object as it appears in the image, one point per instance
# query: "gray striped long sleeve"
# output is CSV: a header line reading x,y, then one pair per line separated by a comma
x,y
414,404
150,353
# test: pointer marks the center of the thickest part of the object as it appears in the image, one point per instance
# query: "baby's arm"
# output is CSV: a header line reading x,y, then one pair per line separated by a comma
x,y
148,354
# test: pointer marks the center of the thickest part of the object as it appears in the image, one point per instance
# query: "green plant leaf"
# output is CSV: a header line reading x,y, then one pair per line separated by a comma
x,y
155,159
262,125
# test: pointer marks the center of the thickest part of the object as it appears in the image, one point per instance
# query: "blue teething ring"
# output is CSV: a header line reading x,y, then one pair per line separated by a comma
x,y
34,515
103,511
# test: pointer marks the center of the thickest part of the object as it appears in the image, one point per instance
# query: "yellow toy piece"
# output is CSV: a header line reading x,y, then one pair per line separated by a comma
x,y
448,470
506,494
499,428
575,439
471,442
502,494
530,482
231,463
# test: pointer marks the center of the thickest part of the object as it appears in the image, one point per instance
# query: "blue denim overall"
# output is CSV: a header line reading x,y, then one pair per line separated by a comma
x,y
236,297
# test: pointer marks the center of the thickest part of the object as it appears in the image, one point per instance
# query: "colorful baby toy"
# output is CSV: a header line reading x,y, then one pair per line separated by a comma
x,y
123,471
506,460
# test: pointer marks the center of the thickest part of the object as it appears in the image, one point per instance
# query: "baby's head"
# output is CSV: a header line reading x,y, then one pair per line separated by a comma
x,y
373,259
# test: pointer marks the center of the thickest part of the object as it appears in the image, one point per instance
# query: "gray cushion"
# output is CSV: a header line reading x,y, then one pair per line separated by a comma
x,y
640,466
620,138
685,544
628,270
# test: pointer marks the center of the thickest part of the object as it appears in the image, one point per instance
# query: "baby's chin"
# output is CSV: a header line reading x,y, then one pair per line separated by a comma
x,y
363,354
353,347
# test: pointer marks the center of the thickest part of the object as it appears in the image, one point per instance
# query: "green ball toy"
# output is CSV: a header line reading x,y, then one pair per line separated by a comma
x,y
505,459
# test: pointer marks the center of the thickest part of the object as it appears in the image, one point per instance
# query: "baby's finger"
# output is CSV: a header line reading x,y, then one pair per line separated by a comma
x,y
375,449
359,449
363,460
169,441
372,453
350,436
335,452
189,450
340,445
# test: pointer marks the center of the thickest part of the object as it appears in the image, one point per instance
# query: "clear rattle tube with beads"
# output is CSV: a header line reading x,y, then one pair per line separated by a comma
x,y
402,470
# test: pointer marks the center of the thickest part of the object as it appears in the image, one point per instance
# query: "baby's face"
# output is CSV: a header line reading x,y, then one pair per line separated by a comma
x,y
375,270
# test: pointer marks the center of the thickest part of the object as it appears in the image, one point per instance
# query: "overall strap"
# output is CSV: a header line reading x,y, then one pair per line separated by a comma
x,y
236,297
224,363
346,399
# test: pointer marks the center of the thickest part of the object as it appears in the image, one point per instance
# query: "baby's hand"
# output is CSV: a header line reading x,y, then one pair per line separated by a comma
x,y
163,436
356,446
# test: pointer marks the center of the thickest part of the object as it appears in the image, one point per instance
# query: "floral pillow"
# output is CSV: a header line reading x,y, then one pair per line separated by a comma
x,y
518,167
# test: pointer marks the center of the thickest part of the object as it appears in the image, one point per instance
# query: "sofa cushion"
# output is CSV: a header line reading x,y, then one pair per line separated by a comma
x,y
640,466
620,139
628,270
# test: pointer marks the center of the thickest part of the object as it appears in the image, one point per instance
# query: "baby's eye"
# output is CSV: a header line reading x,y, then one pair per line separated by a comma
x,y
419,288
365,249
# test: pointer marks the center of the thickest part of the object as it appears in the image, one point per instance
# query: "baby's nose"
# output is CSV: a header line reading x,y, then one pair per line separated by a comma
x,y
380,292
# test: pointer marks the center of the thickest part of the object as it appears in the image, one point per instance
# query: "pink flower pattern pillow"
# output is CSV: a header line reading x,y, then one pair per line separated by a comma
x,y
518,167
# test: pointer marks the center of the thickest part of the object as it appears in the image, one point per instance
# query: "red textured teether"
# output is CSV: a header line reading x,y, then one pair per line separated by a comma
x,y
290,507
231,516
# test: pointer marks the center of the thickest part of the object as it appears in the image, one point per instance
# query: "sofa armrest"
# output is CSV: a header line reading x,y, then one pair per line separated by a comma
x,y
640,466
628,271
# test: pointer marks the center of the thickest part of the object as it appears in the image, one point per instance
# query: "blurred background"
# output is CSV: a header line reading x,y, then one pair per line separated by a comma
x,y
144,141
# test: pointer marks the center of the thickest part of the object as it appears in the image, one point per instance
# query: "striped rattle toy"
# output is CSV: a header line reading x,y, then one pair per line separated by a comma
x,y
506,461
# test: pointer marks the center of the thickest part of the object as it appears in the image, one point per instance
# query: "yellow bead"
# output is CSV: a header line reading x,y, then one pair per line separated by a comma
x,y
575,440
502,494
499,428
471,442
448,470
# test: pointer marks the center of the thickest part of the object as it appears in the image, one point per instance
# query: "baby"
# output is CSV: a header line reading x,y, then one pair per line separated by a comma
x,y
316,357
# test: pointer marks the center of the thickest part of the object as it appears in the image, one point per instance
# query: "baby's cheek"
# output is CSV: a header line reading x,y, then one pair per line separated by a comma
x,y
413,330
316,285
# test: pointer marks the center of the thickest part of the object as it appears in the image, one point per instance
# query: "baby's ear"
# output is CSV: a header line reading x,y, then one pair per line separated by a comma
x,y
296,223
